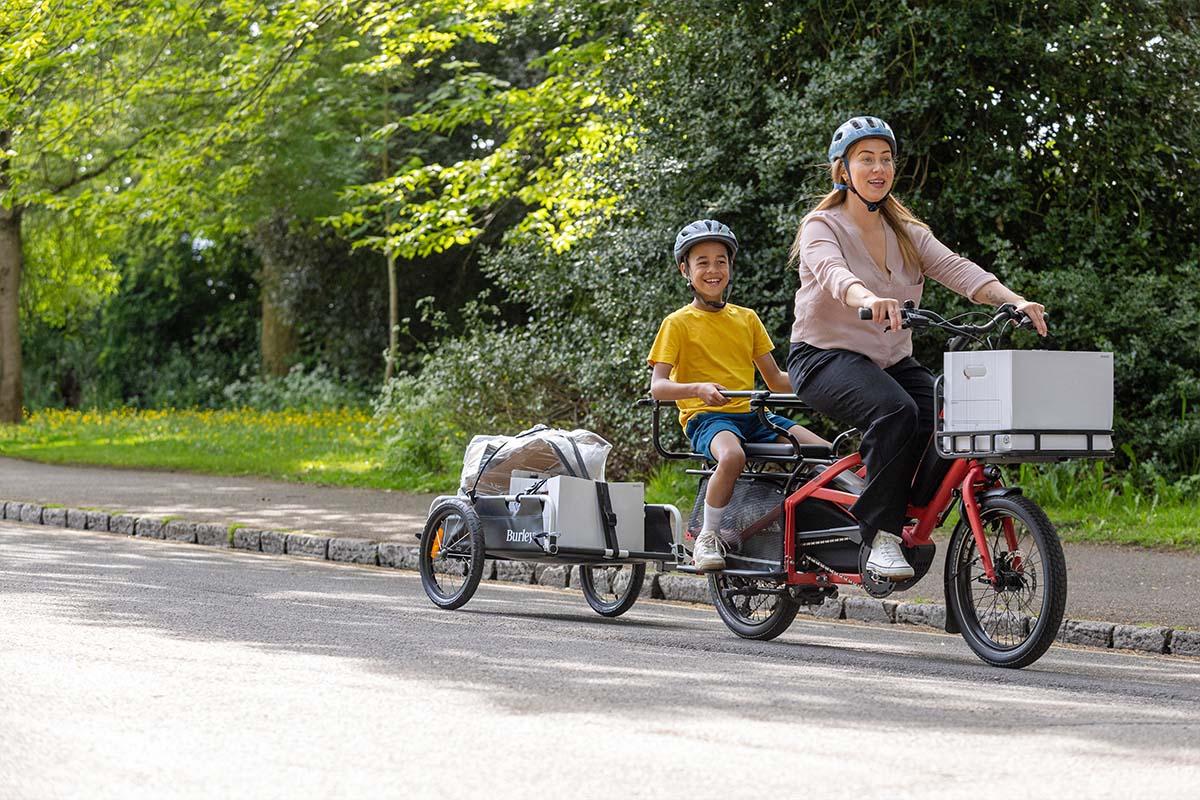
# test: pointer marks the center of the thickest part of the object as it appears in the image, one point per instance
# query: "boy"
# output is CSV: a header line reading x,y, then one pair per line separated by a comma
x,y
707,347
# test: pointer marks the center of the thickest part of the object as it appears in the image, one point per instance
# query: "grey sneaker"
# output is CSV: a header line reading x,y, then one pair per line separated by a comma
x,y
708,554
887,560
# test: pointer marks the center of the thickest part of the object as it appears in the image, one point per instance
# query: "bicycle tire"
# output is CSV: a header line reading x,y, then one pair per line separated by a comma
x,y
461,556
744,618
1012,625
602,596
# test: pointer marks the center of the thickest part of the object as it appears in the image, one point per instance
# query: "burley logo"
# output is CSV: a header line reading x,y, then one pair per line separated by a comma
x,y
525,537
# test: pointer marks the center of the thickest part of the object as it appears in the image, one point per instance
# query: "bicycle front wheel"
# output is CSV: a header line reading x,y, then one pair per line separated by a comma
x,y
1011,621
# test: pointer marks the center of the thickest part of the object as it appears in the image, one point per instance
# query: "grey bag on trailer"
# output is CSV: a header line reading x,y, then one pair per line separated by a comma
x,y
490,460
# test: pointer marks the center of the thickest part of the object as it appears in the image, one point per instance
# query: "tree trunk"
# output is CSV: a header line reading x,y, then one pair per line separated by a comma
x,y
393,317
279,340
11,391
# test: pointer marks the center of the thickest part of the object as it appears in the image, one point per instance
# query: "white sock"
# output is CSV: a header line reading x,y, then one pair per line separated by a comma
x,y
713,518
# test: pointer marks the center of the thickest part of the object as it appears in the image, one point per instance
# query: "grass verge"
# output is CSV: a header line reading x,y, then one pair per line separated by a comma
x,y
337,447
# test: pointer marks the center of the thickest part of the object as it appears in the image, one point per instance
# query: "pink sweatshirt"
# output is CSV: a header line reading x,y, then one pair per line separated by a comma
x,y
833,257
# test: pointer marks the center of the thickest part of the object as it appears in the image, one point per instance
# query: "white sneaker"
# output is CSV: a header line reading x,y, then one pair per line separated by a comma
x,y
887,560
708,556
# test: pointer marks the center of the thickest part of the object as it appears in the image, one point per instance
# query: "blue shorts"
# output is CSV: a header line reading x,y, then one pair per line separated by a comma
x,y
703,427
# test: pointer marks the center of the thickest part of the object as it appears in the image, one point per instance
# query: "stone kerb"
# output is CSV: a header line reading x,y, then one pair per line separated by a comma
x,y
514,571
1136,637
247,539
122,523
397,555
150,528
869,609
307,545
353,551
684,588
180,531
274,542
211,534
1086,632
1185,643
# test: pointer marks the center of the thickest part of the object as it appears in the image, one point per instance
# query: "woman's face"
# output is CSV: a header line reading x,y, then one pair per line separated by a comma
x,y
872,168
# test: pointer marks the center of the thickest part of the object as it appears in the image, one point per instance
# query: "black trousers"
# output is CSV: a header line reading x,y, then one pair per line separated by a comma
x,y
893,408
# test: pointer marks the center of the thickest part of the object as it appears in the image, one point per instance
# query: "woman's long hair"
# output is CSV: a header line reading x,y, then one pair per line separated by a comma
x,y
895,213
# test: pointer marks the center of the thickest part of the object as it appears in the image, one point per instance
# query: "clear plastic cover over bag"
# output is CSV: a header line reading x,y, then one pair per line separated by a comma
x,y
490,460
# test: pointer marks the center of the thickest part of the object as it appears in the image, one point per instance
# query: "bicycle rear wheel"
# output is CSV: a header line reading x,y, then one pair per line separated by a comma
x,y
1012,621
752,608
451,553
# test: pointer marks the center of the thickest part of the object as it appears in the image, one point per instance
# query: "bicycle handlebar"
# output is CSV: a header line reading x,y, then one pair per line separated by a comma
x,y
758,397
913,317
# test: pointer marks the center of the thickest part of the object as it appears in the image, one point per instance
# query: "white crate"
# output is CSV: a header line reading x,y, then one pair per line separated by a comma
x,y
574,513
1010,394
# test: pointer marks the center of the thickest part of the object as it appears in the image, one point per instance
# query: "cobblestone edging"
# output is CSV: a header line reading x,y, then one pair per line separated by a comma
x,y
676,587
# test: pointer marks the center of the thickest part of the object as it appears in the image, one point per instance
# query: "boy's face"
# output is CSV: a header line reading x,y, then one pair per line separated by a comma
x,y
708,265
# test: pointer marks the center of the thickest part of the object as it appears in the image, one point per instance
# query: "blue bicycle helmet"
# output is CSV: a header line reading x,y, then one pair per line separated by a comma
x,y
853,130
856,128
704,230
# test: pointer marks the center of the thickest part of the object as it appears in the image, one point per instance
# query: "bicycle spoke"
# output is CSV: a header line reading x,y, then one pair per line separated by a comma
x,y
1004,606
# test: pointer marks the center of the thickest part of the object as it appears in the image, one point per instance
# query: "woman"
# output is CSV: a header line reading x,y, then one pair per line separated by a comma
x,y
861,248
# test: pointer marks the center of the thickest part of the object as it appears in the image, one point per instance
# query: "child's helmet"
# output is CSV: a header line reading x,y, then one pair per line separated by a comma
x,y
704,230
857,128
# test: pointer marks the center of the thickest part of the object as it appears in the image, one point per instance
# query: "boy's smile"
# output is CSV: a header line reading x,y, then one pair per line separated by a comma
x,y
707,266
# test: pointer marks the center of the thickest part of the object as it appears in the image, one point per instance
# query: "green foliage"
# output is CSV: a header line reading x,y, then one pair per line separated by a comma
x,y
670,483
547,153
1137,505
68,272
1052,147
483,133
303,389
423,430
179,330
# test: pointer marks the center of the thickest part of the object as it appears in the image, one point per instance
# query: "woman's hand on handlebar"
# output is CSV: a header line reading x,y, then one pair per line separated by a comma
x,y
883,309
1036,313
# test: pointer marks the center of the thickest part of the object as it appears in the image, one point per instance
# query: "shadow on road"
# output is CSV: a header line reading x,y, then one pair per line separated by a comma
x,y
530,650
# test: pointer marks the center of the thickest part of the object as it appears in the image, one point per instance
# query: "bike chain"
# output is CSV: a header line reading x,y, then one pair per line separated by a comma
x,y
822,564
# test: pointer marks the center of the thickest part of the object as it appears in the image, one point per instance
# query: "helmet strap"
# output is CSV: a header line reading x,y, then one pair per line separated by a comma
x,y
872,207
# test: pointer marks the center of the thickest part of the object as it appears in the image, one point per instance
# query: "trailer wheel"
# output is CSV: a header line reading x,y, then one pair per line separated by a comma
x,y
612,589
451,553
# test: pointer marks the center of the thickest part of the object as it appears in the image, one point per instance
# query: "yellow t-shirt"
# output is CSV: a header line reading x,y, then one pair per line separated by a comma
x,y
711,347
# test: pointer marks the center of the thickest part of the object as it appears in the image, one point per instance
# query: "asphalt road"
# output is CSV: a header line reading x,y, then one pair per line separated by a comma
x,y
1115,584
133,668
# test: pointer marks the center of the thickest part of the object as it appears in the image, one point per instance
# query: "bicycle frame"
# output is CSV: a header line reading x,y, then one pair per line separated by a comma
x,y
965,477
